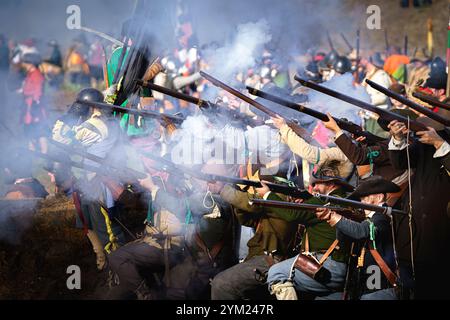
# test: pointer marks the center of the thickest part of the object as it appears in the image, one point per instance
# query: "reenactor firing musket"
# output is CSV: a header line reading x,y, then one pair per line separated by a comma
x,y
409,103
347,203
202,104
431,101
386,115
346,212
169,166
294,126
143,113
342,123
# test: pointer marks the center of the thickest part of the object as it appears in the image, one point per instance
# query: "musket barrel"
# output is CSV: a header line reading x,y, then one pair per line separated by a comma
x,y
358,204
389,116
143,113
291,205
343,124
431,101
409,103
295,127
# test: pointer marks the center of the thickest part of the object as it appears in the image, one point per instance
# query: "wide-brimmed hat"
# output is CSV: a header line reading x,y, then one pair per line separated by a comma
x,y
329,173
373,185
383,123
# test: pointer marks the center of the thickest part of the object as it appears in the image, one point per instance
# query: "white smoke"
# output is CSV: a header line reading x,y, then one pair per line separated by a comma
x,y
336,107
242,52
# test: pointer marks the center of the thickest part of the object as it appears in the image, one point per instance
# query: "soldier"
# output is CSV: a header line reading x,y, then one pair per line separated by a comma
x,y
320,241
376,232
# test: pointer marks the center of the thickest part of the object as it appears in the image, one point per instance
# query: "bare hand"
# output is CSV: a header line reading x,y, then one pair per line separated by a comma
x,y
278,122
398,130
331,124
430,137
263,190
360,139
323,214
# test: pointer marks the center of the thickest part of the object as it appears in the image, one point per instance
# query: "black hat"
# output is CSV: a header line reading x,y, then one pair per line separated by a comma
x,y
90,95
383,123
330,173
374,185
32,58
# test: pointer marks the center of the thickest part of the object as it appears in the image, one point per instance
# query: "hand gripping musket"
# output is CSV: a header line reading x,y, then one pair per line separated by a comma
x,y
294,126
346,203
181,170
346,212
431,100
202,104
413,105
142,113
342,123
387,115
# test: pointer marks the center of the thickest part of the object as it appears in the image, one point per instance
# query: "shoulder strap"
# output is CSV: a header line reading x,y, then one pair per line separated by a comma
x,y
329,251
392,278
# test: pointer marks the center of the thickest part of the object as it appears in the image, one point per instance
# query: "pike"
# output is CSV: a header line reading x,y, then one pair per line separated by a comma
x,y
409,103
142,113
358,39
431,101
342,123
347,42
330,42
102,35
387,115
181,170
346,203
202,104
405,45
386,40
348,213
294,126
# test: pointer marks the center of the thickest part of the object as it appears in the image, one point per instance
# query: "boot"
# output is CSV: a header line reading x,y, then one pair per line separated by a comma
x,y
98,249
284,291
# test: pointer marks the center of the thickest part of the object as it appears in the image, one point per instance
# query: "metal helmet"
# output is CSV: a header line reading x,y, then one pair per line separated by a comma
x,y
342,65
331,58
81,110
90,95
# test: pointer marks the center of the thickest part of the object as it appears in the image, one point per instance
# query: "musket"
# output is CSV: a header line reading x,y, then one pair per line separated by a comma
x,y
409,103
348,213
294,126
169,166
342,123
142,113
202,104
387,115
347,203
346,42
431,101
71,150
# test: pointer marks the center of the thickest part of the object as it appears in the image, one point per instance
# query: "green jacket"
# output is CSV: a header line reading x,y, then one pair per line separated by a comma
x,y
272,233
321,235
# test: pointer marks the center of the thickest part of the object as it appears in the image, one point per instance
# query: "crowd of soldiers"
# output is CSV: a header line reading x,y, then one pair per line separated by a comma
x,y
189,247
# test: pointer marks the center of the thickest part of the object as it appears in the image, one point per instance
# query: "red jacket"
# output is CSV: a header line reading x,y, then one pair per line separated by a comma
x,y
33,90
